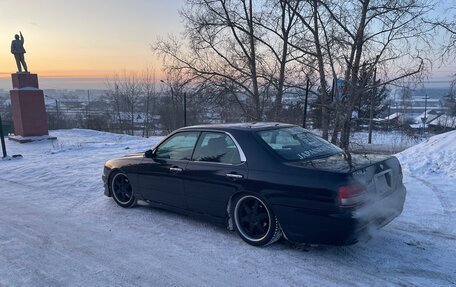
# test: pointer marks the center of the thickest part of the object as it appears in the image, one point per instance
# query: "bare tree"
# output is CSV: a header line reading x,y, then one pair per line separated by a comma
x,y
222,48
148,83
449,102
348,35
446,24
114,93
130,92
256,51
309,42
242,48
278,23
176,84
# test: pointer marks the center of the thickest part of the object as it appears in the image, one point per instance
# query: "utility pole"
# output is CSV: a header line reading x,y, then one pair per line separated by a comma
x,y
185,109
425,113
389,113
57,111
2,138
305,104
87,110
371,110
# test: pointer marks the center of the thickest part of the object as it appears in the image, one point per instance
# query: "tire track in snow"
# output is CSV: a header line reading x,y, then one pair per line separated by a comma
x,y
18,184
448,210
78,201
444,201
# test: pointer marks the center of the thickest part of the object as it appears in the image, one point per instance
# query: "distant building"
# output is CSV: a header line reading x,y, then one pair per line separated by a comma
x,y
418,101
443,123
394,120
429,116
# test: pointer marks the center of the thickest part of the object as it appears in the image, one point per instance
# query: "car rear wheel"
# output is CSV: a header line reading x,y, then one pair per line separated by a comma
x,y
121,190
254,221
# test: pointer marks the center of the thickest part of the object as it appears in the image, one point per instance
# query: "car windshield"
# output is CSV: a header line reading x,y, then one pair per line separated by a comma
x,y
297,144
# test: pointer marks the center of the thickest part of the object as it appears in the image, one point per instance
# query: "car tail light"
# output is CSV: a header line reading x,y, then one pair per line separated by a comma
x,y
350,195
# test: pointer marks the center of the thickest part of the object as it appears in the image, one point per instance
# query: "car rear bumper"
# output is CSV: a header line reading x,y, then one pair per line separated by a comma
x,y
348,227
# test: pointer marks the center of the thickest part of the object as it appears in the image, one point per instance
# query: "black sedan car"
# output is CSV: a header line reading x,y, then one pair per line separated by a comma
x,y
264,180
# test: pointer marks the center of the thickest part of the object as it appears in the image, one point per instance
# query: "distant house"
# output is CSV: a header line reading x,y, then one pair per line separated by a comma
x,y
443,123
139,119
419,120
396,116
393,120
430,116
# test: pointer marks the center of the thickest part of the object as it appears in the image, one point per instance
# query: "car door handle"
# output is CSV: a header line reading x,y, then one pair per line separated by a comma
x,y
175,169
234,175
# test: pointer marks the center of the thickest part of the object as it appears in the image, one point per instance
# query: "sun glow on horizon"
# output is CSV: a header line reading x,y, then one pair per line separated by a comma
x,y
102,75
85,39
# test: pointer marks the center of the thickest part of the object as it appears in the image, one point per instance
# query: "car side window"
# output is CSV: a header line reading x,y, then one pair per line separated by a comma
x,y
178,147
216,147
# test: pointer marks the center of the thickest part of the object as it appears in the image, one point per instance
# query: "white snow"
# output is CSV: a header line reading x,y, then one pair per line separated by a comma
x,y
383,141
58,229
436,155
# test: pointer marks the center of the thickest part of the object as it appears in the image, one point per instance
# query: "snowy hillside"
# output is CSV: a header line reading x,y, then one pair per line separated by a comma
x,y
58,229
75,160
436,155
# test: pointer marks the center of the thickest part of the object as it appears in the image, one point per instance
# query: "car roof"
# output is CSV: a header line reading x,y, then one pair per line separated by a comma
x,y
254,126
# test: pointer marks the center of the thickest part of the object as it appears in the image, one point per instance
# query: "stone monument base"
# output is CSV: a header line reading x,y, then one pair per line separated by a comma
x,y
21,139
28,109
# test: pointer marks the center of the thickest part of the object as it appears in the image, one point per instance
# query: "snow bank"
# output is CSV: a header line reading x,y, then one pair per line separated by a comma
x,y
437,155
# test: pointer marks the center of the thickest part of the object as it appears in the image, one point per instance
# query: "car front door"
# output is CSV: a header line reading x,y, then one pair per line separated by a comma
x,y
218,169
160,176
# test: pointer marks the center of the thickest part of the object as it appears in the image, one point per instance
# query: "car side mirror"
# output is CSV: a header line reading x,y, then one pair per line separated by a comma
x,y
149,153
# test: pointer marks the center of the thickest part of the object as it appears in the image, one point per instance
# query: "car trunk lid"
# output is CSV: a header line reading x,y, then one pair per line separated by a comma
x,y
369,176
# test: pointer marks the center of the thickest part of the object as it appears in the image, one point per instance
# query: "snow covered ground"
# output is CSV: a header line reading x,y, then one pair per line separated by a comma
x,y
383,141
58,229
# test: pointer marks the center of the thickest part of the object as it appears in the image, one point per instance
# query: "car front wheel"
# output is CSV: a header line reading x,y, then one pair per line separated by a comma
x,y
121,190
254,221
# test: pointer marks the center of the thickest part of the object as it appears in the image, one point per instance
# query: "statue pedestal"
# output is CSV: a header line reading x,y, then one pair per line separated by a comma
x,y
29,111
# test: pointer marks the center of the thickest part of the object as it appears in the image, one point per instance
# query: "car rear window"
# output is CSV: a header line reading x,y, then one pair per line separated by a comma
x,y
296,144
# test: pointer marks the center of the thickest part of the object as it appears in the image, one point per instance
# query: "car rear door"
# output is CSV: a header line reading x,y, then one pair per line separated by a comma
x,y
218,169
161,177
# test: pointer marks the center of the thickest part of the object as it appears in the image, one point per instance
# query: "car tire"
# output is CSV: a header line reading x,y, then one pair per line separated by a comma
x,y
254,221
121,190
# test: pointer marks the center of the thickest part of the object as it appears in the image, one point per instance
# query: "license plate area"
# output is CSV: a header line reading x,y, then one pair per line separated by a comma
x,y
383,181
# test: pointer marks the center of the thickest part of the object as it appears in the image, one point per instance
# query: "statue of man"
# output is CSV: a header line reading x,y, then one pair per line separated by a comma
x,y
17,48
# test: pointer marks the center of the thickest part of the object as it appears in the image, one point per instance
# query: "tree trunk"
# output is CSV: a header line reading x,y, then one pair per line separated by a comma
x,y
252,62
283,60
354,83
321,70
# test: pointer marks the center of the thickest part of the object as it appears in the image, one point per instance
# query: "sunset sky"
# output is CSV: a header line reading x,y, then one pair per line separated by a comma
x,y
85,38
82,42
